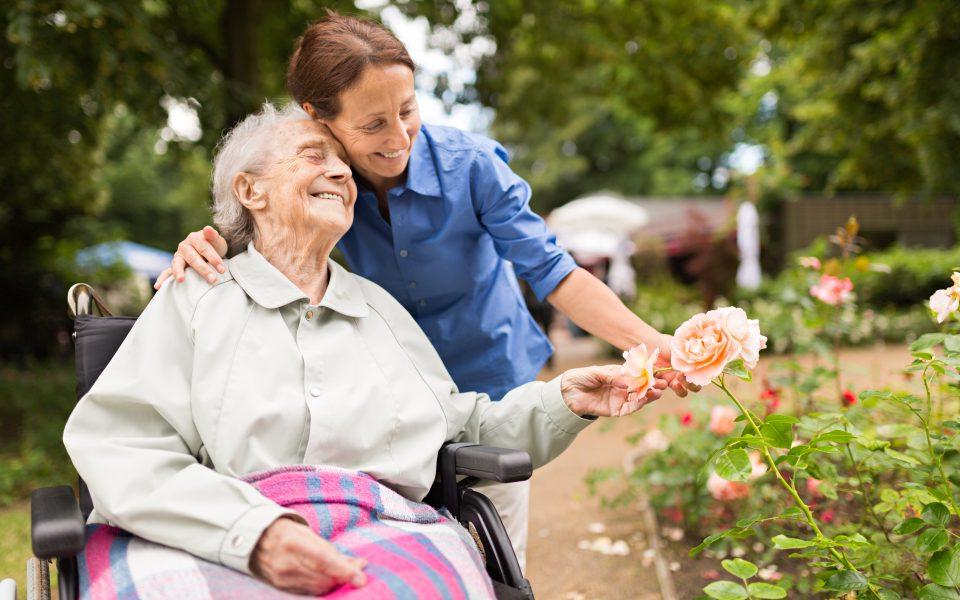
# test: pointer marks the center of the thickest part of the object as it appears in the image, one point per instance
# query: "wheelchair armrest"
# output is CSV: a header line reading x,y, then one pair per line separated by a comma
x,y
56,526
477,462
490,463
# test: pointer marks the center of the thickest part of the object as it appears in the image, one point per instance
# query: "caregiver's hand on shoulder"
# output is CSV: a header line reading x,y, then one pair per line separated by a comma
x,y
604,392
201,250
291,557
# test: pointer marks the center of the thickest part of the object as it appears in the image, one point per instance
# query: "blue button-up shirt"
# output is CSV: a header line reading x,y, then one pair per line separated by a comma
x,y
460,231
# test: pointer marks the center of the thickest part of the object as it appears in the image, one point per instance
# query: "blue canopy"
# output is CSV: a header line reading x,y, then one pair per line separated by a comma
x,y
141,259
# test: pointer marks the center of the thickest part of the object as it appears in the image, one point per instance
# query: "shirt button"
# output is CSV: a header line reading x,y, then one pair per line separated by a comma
x,y
403,254
315,392
412,284
237,541
422,303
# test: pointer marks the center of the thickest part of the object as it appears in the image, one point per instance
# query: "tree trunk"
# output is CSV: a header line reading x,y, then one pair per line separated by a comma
x,y
241,67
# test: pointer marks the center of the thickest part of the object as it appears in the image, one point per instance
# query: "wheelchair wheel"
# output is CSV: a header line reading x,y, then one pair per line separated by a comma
x,y
38,579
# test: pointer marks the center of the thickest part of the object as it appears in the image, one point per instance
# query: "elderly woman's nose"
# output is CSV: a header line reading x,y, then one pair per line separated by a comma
x,y
339,171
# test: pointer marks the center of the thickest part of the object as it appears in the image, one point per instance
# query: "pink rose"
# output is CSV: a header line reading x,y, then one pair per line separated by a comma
x,y
638,365
944,302
724,490
813,488
833,290
757,466
703,346
810,262
722,420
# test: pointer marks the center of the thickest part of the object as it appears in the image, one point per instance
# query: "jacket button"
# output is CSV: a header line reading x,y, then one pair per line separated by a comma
x,y
237,541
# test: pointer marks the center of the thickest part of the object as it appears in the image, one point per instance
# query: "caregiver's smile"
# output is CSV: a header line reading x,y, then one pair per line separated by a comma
x,y
379,123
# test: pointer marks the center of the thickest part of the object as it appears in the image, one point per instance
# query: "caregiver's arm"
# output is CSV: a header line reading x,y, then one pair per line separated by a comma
x,y
596,309
501,199
134,441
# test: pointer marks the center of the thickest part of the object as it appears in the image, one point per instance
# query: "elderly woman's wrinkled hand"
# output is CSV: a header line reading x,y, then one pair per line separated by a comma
x,y
291,557
604,392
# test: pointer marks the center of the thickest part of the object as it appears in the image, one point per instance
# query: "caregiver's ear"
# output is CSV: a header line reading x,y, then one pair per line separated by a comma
x,y
249,191
310,110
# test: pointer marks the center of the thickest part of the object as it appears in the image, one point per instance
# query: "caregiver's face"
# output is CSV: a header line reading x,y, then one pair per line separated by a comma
x,y
378,122
309,185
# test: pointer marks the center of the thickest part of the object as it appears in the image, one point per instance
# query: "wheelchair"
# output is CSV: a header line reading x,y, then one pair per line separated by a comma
x,y
58,518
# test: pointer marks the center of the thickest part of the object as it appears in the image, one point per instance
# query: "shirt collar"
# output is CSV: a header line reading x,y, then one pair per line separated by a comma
x,y
271,289
422,176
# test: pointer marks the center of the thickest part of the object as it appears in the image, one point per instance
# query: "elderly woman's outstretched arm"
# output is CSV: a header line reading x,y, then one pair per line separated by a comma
x,y
540,417
133,440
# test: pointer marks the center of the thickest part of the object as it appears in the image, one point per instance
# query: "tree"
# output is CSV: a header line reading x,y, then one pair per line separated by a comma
x,y
864,95
622,95
69,68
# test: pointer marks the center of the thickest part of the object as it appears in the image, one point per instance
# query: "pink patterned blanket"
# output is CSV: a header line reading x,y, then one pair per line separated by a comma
x,y
411,550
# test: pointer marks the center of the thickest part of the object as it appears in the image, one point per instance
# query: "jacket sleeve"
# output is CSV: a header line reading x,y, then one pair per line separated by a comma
x,y
133,440
532,417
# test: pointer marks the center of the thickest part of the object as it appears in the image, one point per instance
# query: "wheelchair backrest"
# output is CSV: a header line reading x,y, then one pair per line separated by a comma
x,y
96,340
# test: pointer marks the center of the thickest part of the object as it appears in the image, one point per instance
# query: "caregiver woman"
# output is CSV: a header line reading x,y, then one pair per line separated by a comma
x,y
443,224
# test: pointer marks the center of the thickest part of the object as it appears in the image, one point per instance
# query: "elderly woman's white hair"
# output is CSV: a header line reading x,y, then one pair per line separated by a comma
x,y
245,149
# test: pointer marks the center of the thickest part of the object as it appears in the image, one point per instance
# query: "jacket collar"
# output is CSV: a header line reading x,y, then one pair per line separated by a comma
x,y
271,289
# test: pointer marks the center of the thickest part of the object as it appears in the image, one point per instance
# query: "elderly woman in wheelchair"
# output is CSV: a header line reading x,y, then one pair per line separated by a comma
x,y
285,422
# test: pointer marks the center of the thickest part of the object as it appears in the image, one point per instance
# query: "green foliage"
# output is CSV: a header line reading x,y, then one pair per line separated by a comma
x,y
866,96
37,400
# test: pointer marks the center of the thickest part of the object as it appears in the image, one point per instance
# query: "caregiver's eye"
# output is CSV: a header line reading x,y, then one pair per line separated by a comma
x,y
373,126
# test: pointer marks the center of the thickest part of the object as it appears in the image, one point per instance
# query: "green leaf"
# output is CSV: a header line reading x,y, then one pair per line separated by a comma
x,y
944,568
932,539
952,343
792,513
897,455
738,369
708,541
932,591
734,465
777,430
846,581
936,514
783,542
927,340
725,590
744,569
766,590
837,436
909,526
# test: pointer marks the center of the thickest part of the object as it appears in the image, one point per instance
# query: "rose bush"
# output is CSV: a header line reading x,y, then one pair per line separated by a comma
x,y
859,490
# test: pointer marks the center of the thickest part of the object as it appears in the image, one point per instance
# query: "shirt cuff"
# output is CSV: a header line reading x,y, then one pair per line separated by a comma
x,y
243,536
544,286
557,410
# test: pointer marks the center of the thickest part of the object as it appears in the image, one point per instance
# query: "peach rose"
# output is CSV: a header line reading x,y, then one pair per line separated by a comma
x,y
757,466
703,346
810,262
833,290
638,365
722,420
944,302
813,488
725,490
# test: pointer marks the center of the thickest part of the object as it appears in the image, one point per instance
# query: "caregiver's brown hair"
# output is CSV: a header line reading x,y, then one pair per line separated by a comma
x,y
331,55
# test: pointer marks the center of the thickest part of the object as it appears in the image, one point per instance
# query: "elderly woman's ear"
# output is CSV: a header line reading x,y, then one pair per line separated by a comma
x,y
249,191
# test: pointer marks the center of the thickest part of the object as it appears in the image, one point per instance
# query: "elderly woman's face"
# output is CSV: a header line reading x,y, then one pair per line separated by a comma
x,y
309,185
379,120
